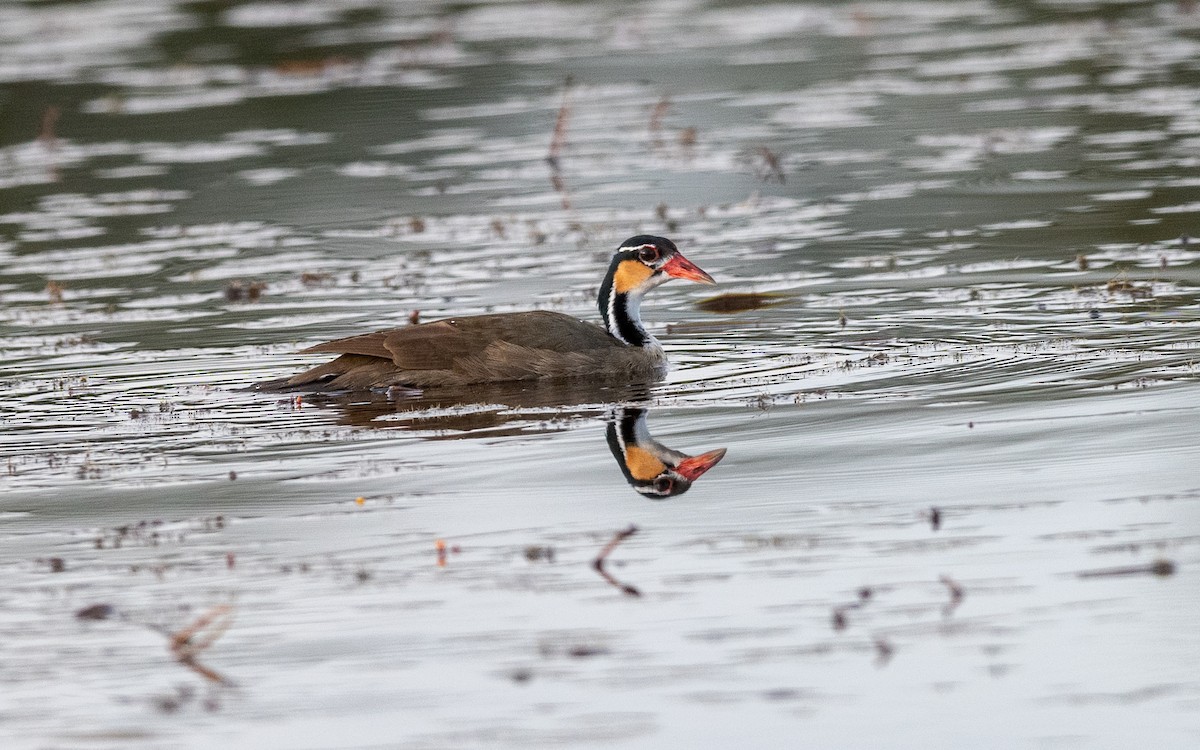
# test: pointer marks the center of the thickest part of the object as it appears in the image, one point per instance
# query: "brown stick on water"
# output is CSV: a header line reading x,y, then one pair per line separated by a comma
x,y
656,120
773,167
1158,568
184,645
956,595
556,145
560,125
598,563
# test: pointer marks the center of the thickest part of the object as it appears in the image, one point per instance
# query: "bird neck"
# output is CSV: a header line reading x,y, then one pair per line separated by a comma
x,y
621,313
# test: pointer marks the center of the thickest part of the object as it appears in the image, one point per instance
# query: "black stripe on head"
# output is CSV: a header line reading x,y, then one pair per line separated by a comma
x,y
633,243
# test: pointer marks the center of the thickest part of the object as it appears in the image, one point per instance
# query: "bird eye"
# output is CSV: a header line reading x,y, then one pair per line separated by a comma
x,y
664,485
648,254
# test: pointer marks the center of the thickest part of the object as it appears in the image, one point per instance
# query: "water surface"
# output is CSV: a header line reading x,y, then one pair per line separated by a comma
x,y
958,392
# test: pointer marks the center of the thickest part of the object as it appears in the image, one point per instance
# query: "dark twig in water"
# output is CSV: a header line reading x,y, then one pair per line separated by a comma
x,y
883,652
956,595
772,167
839,613
656,120
46,134
1161,568
556,145
839,616
186,644
560,125
598,563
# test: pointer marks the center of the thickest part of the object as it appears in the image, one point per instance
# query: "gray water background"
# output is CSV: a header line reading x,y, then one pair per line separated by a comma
x,y
976,216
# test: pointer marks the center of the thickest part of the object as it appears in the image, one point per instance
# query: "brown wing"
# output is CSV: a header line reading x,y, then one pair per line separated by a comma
x,y
439,345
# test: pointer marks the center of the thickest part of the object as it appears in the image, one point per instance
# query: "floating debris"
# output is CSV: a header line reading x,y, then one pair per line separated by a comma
x,y
956,595
1160,568
186,644
315,278
559,137
46,133
521,676
96,612
538,552
557,140
883,652
1121,283
736,302
656,119
584,651
839,618
768,166
598,563
839,613
242,291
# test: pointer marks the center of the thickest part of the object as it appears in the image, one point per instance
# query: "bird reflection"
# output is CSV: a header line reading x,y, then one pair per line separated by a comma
x,y
651,468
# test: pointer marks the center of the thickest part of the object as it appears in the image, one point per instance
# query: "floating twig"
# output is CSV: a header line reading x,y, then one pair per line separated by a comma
x,y
772,168
883,652
560,125
839,616
839,613
956,595
557,140
656,119
1161,568
185,645
598,563
46,133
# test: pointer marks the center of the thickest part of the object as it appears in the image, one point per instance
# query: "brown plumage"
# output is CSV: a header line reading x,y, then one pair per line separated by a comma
x,y
513,346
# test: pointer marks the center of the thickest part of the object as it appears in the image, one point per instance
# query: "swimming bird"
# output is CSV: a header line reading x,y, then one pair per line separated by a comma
x,y
514,346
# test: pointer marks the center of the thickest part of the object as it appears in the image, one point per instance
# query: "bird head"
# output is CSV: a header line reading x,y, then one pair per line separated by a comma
x,y
645,261
651,468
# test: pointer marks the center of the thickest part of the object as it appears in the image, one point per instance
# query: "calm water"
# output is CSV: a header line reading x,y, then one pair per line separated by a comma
x,y
962,425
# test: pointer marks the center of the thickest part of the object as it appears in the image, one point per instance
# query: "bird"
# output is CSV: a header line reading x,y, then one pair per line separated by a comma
x,y
521,346
651,468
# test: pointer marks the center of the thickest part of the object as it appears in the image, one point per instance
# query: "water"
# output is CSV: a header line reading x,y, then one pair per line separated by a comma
x,y
974,378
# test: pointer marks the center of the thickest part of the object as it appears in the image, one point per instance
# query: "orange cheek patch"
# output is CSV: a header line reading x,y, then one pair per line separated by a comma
x,y
630,274
642,464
